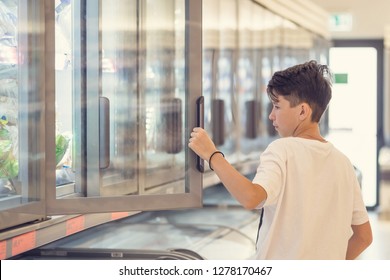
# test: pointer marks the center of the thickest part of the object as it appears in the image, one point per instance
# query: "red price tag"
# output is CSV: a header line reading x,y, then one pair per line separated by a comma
x,y
23,243
75,225
3,250
119,215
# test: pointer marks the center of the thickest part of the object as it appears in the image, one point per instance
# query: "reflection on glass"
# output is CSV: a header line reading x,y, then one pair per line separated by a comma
x,y
20,108
146,89
246,71
208,84
164,91
119,85
249,103
222,114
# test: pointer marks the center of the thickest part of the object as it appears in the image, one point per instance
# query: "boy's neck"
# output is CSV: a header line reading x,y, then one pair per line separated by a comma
x,y
309,131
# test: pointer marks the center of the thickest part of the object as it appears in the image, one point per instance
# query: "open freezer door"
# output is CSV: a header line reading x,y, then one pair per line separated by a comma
x,y
127,81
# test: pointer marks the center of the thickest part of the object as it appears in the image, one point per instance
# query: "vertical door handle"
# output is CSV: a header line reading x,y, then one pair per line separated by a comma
x,y
104,132
200,123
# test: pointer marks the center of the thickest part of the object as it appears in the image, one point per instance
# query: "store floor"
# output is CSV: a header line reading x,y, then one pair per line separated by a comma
x,y
380,223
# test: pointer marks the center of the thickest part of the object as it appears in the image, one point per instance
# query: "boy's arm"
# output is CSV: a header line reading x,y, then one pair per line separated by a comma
x,y
249,195
359,241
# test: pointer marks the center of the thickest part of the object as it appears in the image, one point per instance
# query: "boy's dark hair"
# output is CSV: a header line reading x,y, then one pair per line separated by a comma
x,y
309,82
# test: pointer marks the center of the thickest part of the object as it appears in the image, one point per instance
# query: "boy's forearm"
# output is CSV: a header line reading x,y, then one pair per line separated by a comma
x,y
359,241
249,195
355,247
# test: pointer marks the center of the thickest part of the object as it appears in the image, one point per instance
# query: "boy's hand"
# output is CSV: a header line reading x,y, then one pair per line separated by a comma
x,y
201,143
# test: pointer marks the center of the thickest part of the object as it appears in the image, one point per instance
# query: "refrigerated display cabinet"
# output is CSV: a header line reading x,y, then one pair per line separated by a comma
x,y
97,103
220,230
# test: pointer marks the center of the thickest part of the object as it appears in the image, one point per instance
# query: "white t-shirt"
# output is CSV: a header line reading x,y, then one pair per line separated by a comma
x,y
313,198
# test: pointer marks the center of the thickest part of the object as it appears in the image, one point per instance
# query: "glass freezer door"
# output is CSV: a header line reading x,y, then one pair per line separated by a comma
x,y
128,75
22,115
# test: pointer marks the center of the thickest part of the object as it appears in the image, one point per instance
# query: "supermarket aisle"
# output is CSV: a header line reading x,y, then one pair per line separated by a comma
x,y
380,222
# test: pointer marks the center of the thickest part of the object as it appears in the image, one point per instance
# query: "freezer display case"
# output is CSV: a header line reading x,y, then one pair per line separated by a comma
x,y
97,102
244,43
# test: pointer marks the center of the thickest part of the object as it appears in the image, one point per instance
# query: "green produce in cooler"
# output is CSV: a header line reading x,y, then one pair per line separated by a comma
x,y
62,144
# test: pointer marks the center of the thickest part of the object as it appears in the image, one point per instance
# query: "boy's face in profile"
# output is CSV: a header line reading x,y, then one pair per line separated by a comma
x,y
285,118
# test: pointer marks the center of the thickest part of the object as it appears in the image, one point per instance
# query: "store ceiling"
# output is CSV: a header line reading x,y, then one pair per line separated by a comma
x,y
369,17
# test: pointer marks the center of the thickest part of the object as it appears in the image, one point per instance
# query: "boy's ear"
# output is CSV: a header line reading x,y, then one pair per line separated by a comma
x,y
305,111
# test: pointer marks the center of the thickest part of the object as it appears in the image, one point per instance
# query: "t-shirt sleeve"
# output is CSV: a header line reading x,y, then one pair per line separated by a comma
x,y
271,173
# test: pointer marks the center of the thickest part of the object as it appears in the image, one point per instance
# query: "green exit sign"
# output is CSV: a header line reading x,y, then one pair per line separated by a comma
x,y
341,78
341,22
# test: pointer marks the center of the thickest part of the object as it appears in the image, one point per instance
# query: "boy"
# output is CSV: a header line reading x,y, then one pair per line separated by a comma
x,y
308,193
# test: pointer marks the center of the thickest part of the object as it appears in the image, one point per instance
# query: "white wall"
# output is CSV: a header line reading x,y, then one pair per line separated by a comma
x,y
369,17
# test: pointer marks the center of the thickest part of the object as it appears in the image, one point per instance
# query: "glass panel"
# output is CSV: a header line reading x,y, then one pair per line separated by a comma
x,y
223,118
164,92
9,105
21,98
144,80
208,78
246,72
124,98
120,86
210,57
269,52
65,172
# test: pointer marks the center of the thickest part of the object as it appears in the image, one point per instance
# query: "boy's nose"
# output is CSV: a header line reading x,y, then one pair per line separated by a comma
x,y
271,115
